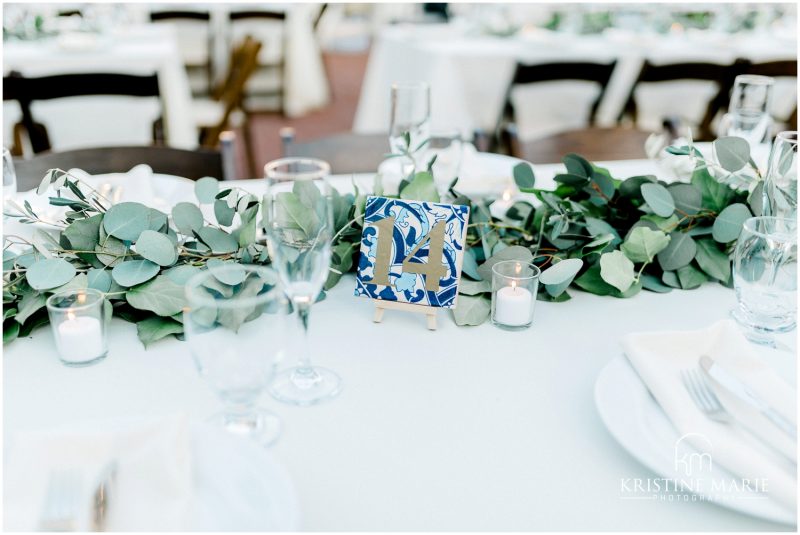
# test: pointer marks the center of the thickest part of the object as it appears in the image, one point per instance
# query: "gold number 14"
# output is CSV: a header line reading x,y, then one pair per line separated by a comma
x,y
433,270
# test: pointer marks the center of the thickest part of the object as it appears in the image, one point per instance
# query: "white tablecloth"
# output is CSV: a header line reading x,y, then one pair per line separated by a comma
x,y
460,429
469,74
102,121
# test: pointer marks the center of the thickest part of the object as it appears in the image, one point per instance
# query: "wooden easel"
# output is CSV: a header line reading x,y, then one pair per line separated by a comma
x,y
382,306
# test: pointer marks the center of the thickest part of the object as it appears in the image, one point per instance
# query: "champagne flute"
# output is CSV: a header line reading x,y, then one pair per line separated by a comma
x,y
748,113
235,326
298,220
410,121
780,182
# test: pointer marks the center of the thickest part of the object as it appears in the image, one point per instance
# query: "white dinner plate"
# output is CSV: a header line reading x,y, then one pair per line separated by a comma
x,y
239,485
637,422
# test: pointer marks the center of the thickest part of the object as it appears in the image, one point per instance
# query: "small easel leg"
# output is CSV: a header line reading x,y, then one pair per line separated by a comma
x,y
431,321
378,314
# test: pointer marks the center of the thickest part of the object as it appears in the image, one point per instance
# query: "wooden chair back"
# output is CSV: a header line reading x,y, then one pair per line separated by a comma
x,y
192,164
28,90
244,60
721,75
346,152
599,73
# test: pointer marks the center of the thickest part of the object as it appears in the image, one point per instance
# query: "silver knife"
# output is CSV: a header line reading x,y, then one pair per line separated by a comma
x,y
736,387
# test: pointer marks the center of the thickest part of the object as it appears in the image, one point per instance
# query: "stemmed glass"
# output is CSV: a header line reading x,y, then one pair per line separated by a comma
x,y
410,120
748,113
447,147
298,220
765,277
235,325
780,182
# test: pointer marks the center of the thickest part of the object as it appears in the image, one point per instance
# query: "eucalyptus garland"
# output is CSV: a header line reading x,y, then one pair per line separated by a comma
x,y
607,236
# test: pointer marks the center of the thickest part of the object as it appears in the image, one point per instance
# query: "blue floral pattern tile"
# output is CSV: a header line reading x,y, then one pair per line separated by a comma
x,y
413,222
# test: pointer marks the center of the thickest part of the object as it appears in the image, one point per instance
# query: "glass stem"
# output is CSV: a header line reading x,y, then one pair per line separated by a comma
x,y
303,312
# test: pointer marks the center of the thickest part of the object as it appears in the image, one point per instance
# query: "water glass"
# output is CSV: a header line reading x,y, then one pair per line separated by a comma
x,y
780,182
446,146
9,177
765,277
748,113
298,219
235,326
409,126
514,288
78,321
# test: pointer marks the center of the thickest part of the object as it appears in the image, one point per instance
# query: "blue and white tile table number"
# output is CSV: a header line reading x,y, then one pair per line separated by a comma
x,y
411,254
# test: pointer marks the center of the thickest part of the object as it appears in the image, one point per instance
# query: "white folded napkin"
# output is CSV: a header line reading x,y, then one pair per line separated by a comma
x,y
659,358
153,485
135,185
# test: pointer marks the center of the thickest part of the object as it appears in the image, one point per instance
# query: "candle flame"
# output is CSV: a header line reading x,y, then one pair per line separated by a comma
x,y
507,195
70,315
514,285
81,298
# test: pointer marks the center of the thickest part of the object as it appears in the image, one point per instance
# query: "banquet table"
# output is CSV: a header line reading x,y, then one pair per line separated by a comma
x,y
469,73
462,428
141,49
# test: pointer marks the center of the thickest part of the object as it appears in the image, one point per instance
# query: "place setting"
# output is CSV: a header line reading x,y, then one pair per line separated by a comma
x,y
498,315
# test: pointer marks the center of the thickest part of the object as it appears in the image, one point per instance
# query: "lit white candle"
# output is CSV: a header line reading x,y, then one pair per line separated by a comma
x,y
80,338
513,305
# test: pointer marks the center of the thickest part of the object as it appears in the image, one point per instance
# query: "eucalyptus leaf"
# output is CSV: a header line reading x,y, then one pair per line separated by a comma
x,y
617,270
658,199
712,261
110,251
181,274
223,213
728,224
468,287
523,176
156,247
690,277
515,252
83,234
125,221
99,279
28,305
227,272
733,153
156,328
678,253
49,273
206,189
652,283
643,244
471,310
469,265
160,295
421,188
134,272
292,213
688,198
560,272
217,240
187,217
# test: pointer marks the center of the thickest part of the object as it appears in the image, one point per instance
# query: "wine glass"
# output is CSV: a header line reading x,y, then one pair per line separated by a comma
x,y
748,113
235,325
298,220
765,277
410,121
9,177
780,182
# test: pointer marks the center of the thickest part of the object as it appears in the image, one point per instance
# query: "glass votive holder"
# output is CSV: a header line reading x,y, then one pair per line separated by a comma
x,y
514,287
78,322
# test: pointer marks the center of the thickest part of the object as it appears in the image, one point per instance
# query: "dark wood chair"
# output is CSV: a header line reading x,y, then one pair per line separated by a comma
x,y
28,90
721,75
192,21
594,144
230,97
775,69
599,73
346,152
192,164
278,67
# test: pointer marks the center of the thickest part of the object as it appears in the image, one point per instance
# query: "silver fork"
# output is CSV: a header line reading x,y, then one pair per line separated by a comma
x,y
704,398
707,401
60,510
